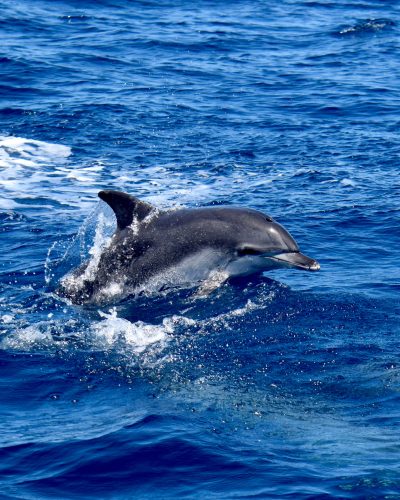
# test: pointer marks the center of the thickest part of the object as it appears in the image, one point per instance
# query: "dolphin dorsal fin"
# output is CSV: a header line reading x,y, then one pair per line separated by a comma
x,y
125,207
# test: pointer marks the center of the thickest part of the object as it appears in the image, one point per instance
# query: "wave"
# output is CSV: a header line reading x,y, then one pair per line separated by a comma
x,y
369,26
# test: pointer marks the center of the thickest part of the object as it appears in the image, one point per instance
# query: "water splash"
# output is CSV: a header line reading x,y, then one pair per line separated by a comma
x,y
86,246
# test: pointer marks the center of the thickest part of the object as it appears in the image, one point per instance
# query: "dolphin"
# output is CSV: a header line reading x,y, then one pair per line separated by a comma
x,y
152,250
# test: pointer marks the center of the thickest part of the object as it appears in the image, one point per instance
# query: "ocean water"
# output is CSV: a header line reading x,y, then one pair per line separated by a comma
x,y
281,386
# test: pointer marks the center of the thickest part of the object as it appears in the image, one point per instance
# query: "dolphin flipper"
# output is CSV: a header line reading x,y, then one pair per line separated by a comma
x,y
214,281
125,207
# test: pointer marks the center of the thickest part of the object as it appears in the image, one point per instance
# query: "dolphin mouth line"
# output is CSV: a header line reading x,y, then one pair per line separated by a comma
x,y
296,260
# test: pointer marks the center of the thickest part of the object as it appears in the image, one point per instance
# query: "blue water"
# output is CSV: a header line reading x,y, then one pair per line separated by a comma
x,y
282,386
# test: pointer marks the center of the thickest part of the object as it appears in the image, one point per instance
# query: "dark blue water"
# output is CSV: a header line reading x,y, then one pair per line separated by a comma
x,y
285,386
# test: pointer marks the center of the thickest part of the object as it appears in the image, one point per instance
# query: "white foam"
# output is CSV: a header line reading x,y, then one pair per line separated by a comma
x,y
7,318
26,165
109,333
19,152
31,337
8,204
348,183
138,336
224,318
182,187
138,341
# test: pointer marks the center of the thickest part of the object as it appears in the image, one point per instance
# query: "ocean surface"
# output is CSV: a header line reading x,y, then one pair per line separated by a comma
x,y
279,386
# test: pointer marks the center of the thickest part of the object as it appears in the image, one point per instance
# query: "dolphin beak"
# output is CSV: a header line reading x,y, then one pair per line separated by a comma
x,y
297,260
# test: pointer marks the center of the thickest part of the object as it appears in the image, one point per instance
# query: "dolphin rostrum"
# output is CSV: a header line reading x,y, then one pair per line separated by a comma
x,y
152,250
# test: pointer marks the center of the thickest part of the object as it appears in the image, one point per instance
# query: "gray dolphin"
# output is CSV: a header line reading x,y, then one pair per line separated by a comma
x,y
152,250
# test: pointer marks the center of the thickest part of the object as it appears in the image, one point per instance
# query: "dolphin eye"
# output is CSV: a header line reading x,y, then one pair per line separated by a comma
x,y
248,251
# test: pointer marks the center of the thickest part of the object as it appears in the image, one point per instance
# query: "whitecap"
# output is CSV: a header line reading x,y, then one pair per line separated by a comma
x,y
7,318
16,152
348,183
26,165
